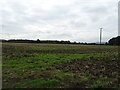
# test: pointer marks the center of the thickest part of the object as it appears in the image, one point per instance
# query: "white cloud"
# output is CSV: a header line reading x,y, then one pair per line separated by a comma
x,y
75,20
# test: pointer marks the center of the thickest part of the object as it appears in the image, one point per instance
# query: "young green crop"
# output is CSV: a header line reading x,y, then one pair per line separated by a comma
x,y
58,65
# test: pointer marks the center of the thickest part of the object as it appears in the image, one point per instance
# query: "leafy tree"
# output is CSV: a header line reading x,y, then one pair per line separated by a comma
x,y
38,41
114,41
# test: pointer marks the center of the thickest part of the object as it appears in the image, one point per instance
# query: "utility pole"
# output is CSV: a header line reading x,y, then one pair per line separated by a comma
x,y
100,35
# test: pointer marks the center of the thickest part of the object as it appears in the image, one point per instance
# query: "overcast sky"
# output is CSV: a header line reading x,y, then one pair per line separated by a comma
x,y
74,20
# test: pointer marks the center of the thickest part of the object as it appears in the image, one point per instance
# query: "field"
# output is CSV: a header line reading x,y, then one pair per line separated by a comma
x,y
59,66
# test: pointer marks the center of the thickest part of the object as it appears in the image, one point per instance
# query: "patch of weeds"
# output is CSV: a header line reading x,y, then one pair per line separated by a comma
x,y
63,76
38,83
101,83
72,79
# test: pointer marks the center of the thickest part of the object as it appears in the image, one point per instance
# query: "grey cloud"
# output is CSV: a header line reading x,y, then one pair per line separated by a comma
x,y
99,9
119,18
18,8
96,12
77,24
17,15
61,36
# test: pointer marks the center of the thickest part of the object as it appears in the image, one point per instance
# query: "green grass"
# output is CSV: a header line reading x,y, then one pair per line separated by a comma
x,y
42,61
101,82
37,83
54,65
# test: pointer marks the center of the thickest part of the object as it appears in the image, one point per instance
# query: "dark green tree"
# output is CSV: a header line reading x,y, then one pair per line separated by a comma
x,y
38,41
114,41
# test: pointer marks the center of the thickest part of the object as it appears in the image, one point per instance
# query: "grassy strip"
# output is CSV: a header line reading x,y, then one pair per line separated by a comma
x,y
42,61
38,83
101,82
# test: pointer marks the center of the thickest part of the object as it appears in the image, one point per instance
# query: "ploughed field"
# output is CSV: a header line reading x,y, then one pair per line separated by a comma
x,y
26,65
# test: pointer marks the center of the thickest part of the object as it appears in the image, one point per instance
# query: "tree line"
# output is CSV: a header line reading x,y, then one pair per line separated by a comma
x,y
113,41
44,41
